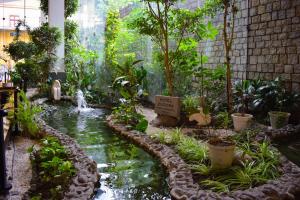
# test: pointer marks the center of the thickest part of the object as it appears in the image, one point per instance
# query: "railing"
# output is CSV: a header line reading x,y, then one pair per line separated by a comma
x,y
4,185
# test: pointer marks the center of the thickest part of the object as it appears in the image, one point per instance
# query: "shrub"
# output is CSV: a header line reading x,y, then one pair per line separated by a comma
x,y
54,169
26,116
190,104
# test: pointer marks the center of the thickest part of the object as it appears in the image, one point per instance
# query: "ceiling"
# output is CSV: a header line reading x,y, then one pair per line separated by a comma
x,y
18,3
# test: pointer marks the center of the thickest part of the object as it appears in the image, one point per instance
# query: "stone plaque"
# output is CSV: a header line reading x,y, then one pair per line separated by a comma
x,y
168,106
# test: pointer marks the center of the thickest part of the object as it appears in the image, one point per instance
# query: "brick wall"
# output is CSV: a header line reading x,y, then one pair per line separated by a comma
x,y
266,40
274,41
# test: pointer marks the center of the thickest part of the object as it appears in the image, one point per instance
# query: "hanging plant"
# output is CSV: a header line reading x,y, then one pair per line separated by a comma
x,y
71,7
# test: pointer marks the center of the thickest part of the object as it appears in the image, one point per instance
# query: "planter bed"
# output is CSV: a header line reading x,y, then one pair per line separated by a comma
x,y
182,185
86,180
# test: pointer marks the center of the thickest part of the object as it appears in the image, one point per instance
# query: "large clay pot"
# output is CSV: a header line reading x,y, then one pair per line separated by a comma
x,y
279,119
221,153
241,121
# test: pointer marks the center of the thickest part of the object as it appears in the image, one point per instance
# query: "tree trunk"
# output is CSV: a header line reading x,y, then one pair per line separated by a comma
x,y
168,65
227,47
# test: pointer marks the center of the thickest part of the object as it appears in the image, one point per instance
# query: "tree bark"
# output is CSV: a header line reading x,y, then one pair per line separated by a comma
x,y
227,47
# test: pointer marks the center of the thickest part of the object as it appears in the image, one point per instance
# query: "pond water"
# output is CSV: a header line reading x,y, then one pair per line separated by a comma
x,y
291,149
127,172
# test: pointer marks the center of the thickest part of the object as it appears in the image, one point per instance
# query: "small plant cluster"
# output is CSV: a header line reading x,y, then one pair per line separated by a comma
x,y
190,104
26,116
129,86
260,97
258,162
54,169
128,115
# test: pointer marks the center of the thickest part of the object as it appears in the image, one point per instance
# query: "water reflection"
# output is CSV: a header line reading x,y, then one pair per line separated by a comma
x,y
291,149
127,172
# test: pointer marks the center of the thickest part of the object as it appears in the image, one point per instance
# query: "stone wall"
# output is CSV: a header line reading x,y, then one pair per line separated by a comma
x,y
266,40
274,41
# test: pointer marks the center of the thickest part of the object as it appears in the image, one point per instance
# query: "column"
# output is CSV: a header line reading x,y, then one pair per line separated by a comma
x,y
56,18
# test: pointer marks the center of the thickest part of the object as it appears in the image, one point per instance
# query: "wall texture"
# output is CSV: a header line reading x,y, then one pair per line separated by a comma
x,y
266,40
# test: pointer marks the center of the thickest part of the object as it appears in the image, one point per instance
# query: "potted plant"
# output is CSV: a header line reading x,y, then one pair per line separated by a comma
x,y
279,119
272,99
221,152
243,92
284,102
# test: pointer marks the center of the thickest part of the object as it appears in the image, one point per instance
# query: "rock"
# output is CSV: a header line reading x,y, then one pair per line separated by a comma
x,y
162,120
82,178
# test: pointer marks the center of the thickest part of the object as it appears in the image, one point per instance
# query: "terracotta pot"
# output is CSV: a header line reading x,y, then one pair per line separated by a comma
x,y
221,154
241,121
279,119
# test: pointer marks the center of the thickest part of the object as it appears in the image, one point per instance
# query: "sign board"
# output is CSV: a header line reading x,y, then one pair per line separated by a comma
x,y
167,105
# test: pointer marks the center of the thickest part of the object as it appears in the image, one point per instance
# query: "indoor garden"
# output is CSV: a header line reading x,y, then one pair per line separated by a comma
x,y
150,99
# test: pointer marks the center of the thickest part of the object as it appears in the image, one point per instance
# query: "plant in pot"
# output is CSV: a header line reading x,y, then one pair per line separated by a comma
x,y
272,99
221,152
285,103
243,91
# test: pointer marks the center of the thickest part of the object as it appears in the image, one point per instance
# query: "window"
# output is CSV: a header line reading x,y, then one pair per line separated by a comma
x,y
13,20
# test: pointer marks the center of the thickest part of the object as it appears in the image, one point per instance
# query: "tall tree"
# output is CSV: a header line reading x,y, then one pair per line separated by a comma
x,y
230,11
168,27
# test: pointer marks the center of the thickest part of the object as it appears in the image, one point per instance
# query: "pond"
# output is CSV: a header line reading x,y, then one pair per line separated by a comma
x,y
290,148
127,172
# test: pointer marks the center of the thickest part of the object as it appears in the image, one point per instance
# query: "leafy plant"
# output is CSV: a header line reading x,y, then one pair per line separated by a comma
x,y
192,150
262,166
222,120
26,116
54,168
244,92
46,38
190,104
212,84
272,96
164,23
125,113
20,50
71,6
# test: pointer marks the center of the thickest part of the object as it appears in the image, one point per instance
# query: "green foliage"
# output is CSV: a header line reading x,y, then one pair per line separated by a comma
x,y
34,58
192,150
129,86
272,96
130,80
82,74
26,116
262,166
211,84
71,6
190,104
244,92
53,166
126,113
223,120
165,24
46,38
27,70
20,50
111,32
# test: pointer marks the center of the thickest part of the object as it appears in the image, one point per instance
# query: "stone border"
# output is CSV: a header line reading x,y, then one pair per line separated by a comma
x,y
182,186
86,181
